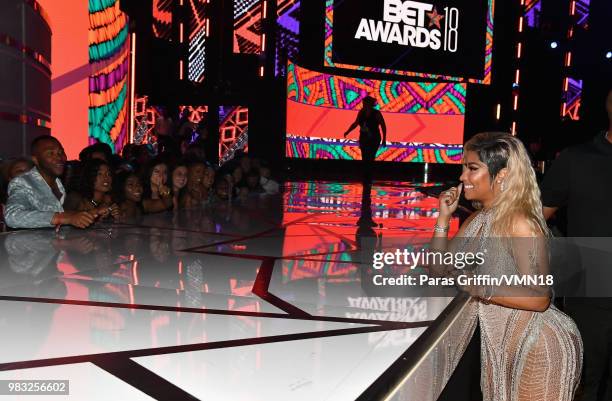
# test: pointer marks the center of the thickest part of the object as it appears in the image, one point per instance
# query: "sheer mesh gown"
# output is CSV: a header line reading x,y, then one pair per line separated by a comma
x,y
525,355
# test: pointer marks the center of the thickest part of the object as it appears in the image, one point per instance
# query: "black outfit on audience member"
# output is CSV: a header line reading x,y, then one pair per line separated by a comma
x,y
581,179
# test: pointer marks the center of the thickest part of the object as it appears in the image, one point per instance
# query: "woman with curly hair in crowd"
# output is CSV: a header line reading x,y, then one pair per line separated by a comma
x,y
93,192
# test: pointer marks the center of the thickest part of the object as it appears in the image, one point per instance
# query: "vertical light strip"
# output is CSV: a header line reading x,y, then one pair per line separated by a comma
x,y
515,102
181,33
498,111
181,69
571,97
517,73
132,85
264,15
207,21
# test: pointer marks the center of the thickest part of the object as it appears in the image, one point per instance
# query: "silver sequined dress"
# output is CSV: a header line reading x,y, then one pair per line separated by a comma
x,y
525,355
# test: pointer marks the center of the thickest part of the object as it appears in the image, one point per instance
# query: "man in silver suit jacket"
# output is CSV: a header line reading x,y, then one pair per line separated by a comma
x,y
35,199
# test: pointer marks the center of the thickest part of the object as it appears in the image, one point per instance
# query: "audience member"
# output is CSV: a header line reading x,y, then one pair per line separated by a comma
x,y
11,169
94,190
245,163
179,182
267,183
100,151
128,152
157,197
209,179
35,199
128,195
238,187
222,190
142,156
195,153
253,180
196,192
208,142
17,167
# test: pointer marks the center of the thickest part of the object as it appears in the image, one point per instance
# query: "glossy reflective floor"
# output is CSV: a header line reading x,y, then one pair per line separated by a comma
x,y
266,299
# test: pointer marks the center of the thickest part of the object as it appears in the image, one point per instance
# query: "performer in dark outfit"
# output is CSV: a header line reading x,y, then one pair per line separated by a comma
x,y
369,120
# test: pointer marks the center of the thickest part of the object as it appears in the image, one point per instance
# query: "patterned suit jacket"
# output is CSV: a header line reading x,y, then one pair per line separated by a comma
x,y
31,202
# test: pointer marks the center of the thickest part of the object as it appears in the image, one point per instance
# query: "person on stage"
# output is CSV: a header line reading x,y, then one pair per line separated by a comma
x,y
370,122
529,349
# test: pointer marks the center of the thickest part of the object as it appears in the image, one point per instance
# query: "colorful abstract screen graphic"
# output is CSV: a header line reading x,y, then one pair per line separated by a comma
x,y
194,114
145,116
248,28
162,19
450,39
533,12
198,34
424,119
287,34
109,51
233,131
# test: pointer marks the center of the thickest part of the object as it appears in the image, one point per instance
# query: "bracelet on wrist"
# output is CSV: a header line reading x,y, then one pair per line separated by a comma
x,y
440,229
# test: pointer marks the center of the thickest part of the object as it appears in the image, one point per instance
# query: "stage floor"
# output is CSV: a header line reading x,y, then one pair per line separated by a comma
x,y
266,299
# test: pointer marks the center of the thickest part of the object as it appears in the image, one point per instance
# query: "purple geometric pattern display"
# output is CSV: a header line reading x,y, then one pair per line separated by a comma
x,y
288,31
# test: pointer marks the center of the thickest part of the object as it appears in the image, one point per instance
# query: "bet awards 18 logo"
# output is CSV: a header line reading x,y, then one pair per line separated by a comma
x,y
413,23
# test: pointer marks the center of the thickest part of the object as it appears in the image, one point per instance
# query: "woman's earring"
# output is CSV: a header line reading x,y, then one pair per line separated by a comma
x,y
502,187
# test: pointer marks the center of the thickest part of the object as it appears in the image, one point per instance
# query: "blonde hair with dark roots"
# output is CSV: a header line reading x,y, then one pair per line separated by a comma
x,y
521,195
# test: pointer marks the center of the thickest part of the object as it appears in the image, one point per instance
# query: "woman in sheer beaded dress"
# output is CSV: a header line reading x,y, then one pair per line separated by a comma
x,y
530,351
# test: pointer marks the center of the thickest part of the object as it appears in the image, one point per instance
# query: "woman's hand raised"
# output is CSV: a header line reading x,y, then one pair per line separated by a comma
x,y
449,200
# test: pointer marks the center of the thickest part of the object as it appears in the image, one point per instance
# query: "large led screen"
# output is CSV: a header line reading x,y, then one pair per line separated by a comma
x,y
248,26
90,71
198,36
287,34
448,39
424,119
233,131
